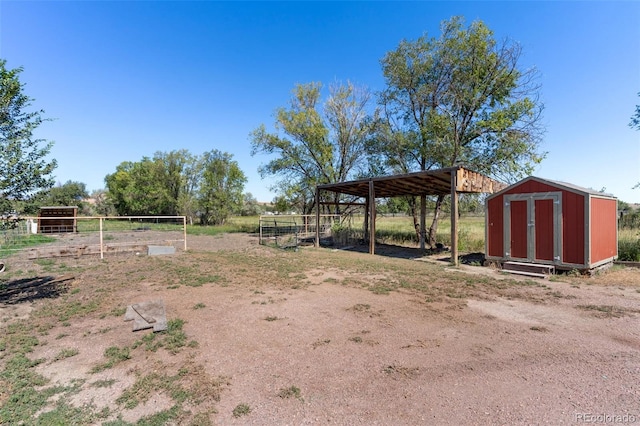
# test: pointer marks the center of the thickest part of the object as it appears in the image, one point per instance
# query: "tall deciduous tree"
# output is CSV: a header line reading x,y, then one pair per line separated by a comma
x,y
178,183
313,143
162,185
24,167
635,124
71,193
460,99
220,191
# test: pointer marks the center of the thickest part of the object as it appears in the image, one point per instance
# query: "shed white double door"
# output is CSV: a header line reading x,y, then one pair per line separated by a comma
x,y
532,227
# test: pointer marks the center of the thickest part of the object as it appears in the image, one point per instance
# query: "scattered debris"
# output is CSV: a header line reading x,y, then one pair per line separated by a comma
x,y
147,315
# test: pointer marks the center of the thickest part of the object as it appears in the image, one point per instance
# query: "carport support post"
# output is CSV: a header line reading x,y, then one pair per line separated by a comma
x,y
372,218
454,217
366,219
317,217
423,221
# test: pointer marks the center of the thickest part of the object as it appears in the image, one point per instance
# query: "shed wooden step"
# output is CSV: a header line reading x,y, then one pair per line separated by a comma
x,y
529,268
528,274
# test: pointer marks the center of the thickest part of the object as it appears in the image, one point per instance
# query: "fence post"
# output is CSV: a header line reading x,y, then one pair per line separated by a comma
x,y
184,227
101,241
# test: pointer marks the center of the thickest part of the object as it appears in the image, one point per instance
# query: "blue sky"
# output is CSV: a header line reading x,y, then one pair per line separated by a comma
x,y
126,79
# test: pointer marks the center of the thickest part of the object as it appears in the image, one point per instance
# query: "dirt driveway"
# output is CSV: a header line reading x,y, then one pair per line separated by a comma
x,y
331,337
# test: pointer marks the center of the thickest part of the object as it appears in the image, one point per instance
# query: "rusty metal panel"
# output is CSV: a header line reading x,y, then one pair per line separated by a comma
x,y
603,227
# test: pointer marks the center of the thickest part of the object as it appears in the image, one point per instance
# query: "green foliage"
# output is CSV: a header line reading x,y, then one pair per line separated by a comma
x,y
24,167
315,144
629,220
103,205
459,99
66,353
177,183
290,392
10,241
250,206
220,191
635,118
173,339
114,356
24,400
68,194
241,410
629,248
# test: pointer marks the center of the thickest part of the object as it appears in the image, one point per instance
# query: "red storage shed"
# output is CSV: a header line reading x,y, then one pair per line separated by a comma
x,y
554,223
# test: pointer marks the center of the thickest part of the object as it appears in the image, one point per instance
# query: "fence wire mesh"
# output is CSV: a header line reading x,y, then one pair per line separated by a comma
x,y
289,231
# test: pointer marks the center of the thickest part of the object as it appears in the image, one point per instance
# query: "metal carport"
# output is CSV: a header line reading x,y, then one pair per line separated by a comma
x,y
451,180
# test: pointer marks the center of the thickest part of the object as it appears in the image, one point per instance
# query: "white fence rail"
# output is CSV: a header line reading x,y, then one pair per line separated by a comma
x,y
75,236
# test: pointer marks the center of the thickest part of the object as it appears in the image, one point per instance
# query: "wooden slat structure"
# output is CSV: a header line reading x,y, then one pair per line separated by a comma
x,y
451,180
57,219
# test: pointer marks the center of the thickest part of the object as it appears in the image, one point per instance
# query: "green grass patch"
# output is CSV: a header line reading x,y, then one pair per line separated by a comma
x,y
173,339
66,353
9,244
241,410
107,383
290,392
21,381
608,311
629,245
114,355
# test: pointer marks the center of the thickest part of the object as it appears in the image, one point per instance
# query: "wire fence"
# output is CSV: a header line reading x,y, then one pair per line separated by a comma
x,y
75,236
289,231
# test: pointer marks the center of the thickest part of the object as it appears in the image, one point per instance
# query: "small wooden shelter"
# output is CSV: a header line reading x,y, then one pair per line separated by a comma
x,y
447,181
551,223
60,219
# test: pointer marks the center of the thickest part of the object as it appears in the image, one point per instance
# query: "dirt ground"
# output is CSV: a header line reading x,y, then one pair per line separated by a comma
x,y
311,343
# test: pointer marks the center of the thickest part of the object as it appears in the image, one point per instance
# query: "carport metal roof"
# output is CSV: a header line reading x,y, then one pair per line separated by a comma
x,y
451,180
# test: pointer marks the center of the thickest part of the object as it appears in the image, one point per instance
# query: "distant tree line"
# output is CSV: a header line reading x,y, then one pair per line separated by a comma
x,y
459,99
207,188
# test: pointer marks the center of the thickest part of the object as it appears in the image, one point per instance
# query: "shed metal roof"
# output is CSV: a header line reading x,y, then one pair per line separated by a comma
x,y
430,182
564,185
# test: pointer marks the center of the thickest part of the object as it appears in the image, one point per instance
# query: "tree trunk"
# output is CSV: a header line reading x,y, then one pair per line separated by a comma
x,y
413,209
433,229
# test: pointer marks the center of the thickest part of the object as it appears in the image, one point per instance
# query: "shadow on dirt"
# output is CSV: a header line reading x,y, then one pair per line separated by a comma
x,y
32,289
440,253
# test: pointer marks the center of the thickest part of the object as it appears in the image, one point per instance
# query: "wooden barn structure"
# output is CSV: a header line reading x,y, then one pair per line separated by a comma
x,y
55,220
557,224
448,181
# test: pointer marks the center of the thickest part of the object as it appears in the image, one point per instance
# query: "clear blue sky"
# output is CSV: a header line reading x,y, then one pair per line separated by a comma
x,y
126,79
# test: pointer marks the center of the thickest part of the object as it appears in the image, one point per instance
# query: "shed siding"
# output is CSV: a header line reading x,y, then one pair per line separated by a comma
x,y
531,186
604,244
573,228
544,231
519,229
586,230
495,227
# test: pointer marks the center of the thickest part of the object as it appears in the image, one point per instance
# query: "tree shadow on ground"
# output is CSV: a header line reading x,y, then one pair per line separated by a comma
x,y
403,252
392,250
32,289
